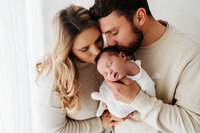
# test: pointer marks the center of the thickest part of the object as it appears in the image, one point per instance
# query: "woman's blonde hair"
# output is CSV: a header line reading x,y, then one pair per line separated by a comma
x,y
69,22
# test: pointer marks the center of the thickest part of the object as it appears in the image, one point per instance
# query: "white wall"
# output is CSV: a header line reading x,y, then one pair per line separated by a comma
x,y
183,14
50,7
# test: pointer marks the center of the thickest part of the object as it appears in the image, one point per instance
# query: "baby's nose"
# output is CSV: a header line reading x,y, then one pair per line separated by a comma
x,y
110,71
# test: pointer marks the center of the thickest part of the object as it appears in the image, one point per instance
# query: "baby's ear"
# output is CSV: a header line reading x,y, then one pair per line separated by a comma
x,y
122,55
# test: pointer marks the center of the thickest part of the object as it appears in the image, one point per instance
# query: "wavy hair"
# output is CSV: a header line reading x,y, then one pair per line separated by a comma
x,y
68,22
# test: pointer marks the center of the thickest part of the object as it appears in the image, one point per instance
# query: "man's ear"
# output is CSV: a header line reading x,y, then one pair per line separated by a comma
x,y
139,17
122,55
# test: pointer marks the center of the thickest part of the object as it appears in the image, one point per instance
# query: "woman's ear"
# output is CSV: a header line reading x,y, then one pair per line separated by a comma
x,y
122,55
139,17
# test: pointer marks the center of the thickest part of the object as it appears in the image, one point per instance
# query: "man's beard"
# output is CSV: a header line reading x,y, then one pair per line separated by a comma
x,y
134,45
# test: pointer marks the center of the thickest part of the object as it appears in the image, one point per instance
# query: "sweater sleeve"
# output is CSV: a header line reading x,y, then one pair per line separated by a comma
x,y
184,115
55,120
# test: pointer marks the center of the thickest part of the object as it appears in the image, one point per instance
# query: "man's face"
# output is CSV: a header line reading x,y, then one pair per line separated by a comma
x,y
112,67
121,32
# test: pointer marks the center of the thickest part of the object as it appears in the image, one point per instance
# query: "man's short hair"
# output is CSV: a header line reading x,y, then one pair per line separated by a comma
x,y
103,8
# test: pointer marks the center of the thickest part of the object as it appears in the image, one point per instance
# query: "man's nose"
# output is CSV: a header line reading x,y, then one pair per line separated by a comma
x,y
111,41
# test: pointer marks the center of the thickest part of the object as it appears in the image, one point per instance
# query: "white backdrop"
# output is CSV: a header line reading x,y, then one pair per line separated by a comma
x,y
25,28
183,14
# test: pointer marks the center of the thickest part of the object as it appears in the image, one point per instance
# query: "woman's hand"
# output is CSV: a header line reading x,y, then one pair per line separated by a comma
x,y
108,120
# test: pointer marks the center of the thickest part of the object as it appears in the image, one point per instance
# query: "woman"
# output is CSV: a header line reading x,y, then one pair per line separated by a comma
x,y
67,76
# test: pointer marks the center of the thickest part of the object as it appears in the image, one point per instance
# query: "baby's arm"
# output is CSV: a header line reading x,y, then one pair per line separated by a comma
x,y
98,96
144,80
135,69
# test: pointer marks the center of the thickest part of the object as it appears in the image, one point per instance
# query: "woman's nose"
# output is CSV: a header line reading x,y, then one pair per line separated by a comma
x,y
95,50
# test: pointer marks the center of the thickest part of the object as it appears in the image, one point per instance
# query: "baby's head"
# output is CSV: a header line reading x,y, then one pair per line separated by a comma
x,y
111,63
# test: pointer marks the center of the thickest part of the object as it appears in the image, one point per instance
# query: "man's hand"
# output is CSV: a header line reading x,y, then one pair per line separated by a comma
x,y
125,91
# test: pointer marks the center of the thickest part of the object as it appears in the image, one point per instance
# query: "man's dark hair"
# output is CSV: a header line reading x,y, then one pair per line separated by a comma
x,y
103,8
113,50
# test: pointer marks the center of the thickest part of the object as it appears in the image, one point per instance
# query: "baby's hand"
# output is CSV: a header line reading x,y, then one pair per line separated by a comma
x,y
104,105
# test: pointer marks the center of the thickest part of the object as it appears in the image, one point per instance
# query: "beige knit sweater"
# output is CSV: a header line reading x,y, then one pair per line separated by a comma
x,y
173,62
54,120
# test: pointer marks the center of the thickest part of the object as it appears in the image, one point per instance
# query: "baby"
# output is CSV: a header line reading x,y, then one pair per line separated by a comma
x,y
113,65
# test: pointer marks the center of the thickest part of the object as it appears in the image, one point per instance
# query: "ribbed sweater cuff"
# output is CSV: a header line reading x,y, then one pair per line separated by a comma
x,y
143,103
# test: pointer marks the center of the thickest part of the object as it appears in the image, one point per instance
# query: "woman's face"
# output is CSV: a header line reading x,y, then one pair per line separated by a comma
x,y
87,45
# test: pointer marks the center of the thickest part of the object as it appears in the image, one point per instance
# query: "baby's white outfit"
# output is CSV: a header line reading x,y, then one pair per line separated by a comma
x,y
117,108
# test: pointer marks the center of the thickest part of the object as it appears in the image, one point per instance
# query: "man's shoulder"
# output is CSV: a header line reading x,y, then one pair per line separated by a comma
x,y
181,37
175,39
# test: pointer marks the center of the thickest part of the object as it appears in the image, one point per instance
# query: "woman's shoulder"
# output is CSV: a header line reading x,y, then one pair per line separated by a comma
x,y
46,79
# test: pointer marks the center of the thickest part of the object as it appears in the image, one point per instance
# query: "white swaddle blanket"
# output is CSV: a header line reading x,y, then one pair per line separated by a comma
x,y
117,108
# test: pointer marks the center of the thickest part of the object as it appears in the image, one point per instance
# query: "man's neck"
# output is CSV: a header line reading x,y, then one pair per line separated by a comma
x,y
153,30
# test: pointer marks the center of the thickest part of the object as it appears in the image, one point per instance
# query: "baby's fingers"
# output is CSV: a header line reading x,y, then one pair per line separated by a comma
x,y
104,105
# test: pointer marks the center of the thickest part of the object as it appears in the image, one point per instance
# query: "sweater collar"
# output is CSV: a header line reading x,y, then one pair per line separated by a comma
x,y
165,35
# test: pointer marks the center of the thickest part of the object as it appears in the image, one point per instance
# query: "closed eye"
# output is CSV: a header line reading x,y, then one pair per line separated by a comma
x,y
85,49
115,33
109,65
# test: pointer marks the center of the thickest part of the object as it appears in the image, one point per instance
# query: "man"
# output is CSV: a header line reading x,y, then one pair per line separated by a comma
x,y
171,58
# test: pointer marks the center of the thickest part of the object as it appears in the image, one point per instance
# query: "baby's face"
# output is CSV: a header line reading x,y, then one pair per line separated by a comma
x,y
112,67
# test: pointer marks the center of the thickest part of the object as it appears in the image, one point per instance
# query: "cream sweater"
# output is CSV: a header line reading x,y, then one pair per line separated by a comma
x,y
54,120
173,62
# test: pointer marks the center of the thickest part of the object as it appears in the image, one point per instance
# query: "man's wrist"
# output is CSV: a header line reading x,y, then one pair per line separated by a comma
x,y
142,102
